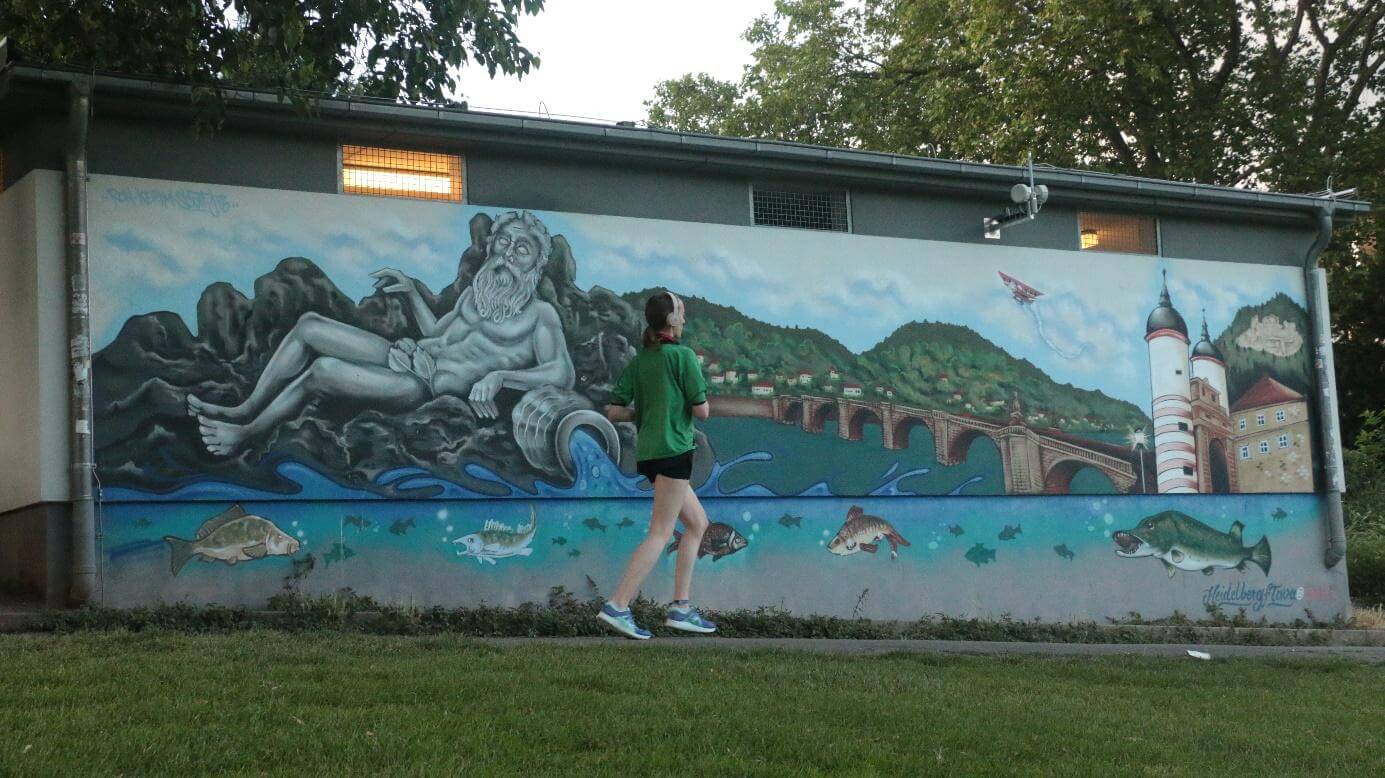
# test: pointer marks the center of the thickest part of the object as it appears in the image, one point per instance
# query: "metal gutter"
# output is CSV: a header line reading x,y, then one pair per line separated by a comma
x,y
765,156
1330,438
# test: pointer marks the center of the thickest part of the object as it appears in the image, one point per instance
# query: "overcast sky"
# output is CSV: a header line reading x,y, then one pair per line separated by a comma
x,y
602,58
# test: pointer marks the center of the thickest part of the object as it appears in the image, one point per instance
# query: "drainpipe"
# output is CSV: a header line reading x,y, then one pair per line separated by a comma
x,y
1315,279
83,467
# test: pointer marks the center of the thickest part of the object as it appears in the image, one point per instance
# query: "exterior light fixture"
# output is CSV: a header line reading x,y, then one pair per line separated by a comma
x,y
1028,199
1090,238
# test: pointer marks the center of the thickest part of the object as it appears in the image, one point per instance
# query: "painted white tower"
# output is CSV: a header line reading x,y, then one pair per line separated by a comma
x,y
1175,451
1210,366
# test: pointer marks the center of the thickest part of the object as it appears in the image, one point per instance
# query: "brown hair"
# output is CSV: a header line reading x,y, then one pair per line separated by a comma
x,y
656,311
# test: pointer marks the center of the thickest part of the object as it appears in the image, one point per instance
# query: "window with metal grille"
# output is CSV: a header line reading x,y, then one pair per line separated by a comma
x,y
401,173
1118,232
801,208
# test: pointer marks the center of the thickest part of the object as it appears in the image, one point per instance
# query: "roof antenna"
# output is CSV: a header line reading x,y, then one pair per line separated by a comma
x,y
1028,197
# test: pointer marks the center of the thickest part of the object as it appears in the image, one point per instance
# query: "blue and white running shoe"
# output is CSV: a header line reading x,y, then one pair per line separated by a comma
x,y
622,622
689,621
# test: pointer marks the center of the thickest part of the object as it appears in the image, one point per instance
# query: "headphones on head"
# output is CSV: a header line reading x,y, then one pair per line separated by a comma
x,y
676,317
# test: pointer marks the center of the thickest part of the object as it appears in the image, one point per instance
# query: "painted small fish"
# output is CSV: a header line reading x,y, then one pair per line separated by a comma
x,y
718,541
339,553
231,536
1181,542
1279,514
790,521
303,566
956,529
625,522
1009,532
593,524
142,523
980,555
401,526
500,541
560,541
1063,551
360,522
574,553
862,532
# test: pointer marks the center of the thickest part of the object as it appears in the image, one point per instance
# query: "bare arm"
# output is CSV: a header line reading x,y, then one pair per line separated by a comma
x,y
702,411
620,413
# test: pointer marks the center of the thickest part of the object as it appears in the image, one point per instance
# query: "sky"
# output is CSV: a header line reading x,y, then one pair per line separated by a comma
x,y
601,58
162,243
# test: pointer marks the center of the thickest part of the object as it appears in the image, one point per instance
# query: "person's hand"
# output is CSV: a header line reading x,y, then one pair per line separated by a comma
x,y
483,394
389,280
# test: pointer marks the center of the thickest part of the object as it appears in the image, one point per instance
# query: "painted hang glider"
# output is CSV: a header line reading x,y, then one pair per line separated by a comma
x,y
1025,295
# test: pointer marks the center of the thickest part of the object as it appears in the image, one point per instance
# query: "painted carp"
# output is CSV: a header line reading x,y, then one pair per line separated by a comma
x,y
861,532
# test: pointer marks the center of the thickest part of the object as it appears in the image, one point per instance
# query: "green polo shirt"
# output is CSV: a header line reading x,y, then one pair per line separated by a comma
x,y
664,382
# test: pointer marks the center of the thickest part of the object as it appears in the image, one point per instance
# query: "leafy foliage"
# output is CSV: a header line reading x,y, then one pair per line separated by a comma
x,y
395,49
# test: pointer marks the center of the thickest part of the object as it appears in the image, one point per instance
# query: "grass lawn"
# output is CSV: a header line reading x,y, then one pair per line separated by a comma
x,y
320,704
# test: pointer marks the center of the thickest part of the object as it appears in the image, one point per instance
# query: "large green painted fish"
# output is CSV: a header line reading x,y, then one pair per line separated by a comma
x,y
232,536
499,541
1184,543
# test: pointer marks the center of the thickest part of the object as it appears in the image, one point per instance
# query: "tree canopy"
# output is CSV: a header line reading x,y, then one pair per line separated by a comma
x,y
412,50
1282,94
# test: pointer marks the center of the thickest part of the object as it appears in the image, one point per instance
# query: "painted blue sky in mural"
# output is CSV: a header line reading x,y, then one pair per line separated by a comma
x,y
858,289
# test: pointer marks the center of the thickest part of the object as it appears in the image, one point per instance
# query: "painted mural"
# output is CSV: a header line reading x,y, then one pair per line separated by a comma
x,y
1056,558
257,344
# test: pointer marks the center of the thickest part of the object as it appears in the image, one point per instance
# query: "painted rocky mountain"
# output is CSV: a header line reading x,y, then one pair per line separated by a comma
x,y
1268,339
145,439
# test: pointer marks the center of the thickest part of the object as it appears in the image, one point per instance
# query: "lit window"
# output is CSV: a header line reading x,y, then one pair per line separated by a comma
x,y
1259,419
1264,447
1242,424
804,209
401,173
1245,452
1117,232
1279,415
1283,441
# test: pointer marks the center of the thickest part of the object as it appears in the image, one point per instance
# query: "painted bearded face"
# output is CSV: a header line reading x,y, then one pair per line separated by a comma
x,y
514,265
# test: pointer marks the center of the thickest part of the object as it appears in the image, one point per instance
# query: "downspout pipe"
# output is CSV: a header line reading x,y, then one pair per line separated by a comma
x,y
1315,279
81,460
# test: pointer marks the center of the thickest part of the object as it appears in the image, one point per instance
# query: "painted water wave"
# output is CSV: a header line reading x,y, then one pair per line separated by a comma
x,y
598,476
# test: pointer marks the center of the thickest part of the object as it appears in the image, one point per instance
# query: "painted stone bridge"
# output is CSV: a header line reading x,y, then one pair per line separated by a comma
x,y
1041,461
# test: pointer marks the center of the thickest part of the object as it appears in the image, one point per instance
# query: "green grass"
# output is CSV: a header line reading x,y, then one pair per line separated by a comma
x,y
327,704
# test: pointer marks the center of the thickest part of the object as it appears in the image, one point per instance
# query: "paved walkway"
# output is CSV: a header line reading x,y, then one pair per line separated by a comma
x,y
1370,654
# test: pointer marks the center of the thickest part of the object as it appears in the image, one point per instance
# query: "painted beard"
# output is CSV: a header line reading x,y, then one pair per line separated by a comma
x,y
500,295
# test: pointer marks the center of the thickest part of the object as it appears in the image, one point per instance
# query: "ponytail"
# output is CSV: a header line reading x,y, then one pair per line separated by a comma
x,y
661,310
651,337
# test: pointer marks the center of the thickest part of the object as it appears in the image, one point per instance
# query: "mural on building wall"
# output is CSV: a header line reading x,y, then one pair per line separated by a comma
x,y
274,344
1060,558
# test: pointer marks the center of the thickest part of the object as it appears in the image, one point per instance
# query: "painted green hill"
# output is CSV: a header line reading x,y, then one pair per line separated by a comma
x,y
1261,340
927,364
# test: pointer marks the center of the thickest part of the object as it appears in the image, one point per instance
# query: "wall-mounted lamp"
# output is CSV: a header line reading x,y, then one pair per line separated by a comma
x,y
1090,238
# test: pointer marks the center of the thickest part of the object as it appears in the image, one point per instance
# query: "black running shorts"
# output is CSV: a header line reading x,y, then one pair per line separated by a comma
x,y
678,466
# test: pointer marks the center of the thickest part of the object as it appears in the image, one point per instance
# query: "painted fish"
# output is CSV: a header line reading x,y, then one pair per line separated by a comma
x,y
1279,514
956,529
231,536
303,566
1063,551
357,521
593,524
980,555
1181,542
339,553
625,522
861,532
718,541
560,541
499,541
790,521
1009,532
574,553
401,526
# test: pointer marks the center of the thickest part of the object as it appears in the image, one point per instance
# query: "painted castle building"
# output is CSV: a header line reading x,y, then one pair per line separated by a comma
x,y
1272,439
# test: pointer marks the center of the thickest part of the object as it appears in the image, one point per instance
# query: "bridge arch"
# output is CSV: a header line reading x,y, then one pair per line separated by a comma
x,y
1059,477
906,425
960,443
823,413
857,419
793,411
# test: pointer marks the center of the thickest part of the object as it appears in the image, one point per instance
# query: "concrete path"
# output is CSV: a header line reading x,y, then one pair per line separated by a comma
x,y
1369,654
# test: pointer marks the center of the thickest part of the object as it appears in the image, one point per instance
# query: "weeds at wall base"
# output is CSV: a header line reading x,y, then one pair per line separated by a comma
x,y
566,615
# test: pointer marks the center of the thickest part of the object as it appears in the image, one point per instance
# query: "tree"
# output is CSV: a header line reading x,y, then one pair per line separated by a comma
x,y
1283,94
412,50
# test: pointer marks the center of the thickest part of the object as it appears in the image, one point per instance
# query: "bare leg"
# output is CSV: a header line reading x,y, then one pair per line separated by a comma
x,y
694,525
313,336
669,494
325,377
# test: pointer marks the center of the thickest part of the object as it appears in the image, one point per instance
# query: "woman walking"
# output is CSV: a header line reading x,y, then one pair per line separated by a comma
x,y
665,385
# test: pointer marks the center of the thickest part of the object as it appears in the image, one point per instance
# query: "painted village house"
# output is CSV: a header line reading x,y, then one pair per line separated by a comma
x,y
280,368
